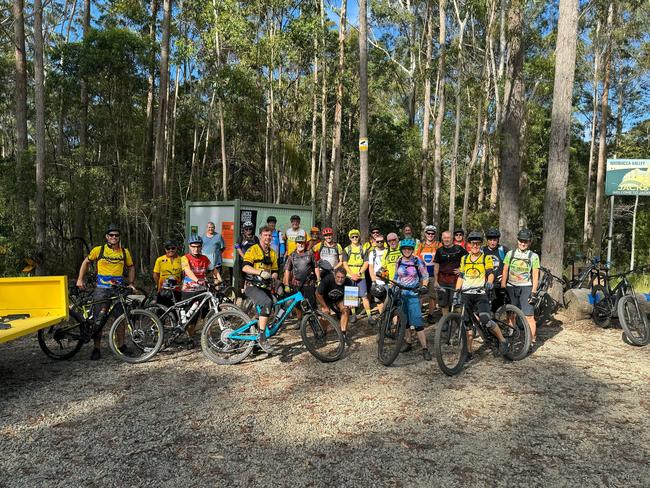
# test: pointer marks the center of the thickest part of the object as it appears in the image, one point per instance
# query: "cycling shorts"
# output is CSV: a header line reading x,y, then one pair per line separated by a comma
x,y
519,296
413,310
260,297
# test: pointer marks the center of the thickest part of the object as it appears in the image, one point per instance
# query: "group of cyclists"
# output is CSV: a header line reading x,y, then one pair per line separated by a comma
x,y
472,268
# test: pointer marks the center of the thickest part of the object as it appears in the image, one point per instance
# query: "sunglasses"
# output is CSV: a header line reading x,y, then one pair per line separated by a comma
x,y
475,243
328,235
379,242
170,248
459,234
195,245
113,235
392,240
354,237
430,233
375,232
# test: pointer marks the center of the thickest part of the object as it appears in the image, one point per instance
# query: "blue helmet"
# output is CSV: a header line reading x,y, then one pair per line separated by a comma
x,y
408,242
195,239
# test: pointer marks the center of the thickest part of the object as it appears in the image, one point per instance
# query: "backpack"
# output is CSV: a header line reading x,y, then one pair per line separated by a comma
x,y
528,259
101,254
348,251
415,265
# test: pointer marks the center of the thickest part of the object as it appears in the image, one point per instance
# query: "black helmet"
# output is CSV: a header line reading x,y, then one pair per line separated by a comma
x,y
112,228
295,217
271,218
248,225
169,243
525,235
335,295
325,265
474,236
378,292
459,231
493,233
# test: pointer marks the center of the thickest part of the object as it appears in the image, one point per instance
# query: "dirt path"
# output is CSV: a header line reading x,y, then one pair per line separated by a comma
x,y
576,413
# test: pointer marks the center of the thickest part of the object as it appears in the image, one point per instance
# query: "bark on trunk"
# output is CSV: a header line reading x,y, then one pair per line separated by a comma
x,y
426,121
323,119
437,130
587,227
363,120
39,103
20,75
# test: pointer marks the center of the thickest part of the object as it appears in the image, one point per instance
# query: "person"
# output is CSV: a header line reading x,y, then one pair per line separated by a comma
x,y
446,264
213,246
521,277
459,239
314,239
355,263
411,272
300,271
167,271
260,267
426,251
475,278
370,243
277,239
329,250
291,235
407,232
247,239
196,268
375,264
113,261
330,294
498,253
393,253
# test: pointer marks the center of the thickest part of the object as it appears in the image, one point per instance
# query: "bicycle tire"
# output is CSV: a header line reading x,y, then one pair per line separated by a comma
x,y
450,344
146,335
602,310
518,337
634,322
328,348
70,331
390,337
214,341
229,294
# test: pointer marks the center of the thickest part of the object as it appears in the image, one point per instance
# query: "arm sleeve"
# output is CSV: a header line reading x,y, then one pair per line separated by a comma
x,y
249,256
345,255
506,259
489,266
274,261
184,263
535,261
156,266
93,254
128,258
423,270
288,266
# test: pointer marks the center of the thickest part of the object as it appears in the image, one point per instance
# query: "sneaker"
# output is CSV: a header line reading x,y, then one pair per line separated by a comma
x,y
430,319
346,339
503,349
470,357
426,355
372,321
95,355
406,347
353,318
263,342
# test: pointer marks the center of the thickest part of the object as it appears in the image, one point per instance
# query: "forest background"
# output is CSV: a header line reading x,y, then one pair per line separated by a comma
x,y
478,113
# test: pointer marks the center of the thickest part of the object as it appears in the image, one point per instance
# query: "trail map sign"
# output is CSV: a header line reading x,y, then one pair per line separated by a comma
x,y
628,177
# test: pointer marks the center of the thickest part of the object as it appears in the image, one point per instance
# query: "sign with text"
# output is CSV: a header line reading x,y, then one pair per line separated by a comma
x,y
628,177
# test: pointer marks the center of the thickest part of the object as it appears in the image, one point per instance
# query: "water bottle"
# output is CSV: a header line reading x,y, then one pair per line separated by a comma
x,y
194,306
183,317
279,313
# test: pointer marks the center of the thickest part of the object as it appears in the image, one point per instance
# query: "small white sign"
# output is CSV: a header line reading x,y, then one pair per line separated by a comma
x,y
351,296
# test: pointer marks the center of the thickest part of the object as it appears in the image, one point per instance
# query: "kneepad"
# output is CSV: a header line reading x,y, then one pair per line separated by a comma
x,y
485,319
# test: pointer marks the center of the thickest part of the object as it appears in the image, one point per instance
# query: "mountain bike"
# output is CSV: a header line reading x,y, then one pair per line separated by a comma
x,y
450,344
620,301
392,323
230,336
545,305
65,339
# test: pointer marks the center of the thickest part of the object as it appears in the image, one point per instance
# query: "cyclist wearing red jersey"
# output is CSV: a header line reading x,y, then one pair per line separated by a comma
x,y
426,251
195,267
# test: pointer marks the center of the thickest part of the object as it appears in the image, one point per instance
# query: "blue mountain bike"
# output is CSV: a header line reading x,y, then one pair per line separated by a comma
x,y
230,336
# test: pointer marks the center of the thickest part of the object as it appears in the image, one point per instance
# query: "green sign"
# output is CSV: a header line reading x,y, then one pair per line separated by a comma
x,y
628,177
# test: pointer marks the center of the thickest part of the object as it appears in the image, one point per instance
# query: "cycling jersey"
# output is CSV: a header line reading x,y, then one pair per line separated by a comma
x,y
520,267
328,253
245,244
111,264
389,261
464,244
426,252
258,259
291,235
355,256
199,265
168,268
301,266
311,244
375,258
498,255
277,242
474,270
328,285
409,272
448,259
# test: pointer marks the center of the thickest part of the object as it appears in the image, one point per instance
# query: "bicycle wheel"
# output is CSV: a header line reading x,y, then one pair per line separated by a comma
x,y
602,307
390,336
518,335
634,322
229,294
450,344
136,338
322,336
215,341
63,340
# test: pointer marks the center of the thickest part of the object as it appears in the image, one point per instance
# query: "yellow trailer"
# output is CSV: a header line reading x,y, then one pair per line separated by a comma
x,y
30,304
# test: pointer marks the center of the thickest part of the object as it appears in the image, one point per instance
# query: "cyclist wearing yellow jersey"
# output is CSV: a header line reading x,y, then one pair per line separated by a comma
x,y
476,276
355,263
392,254
112,261
260,267
167,268
292,233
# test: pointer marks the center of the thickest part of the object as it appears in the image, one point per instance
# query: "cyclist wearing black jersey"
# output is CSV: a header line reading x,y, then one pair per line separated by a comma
x,y
446,264
498,253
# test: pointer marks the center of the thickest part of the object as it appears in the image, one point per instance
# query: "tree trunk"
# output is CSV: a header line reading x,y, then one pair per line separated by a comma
x,y
314,133
587,227
20,75
437,130
510,152
151,80
39,104
323,118
602,145
426,121
335,173
363,119
160,148
560,141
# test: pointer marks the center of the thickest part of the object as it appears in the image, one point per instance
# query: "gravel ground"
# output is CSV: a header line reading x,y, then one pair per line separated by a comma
x,y
575,413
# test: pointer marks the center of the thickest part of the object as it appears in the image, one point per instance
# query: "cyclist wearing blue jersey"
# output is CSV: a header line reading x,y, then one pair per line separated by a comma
x,y
277,239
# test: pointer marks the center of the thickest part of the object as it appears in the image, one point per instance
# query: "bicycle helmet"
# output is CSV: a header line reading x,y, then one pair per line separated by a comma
x,y
195,239
430,228
112,228
459,231
525,235
315,230
335,295
325,265
354,232
300,239
474,236
378,292
492,233
169,243
328,231
248,225
407,243
295,217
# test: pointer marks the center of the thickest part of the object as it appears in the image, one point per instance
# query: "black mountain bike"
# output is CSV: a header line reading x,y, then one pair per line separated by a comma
x,y
545,306
392,324
450,343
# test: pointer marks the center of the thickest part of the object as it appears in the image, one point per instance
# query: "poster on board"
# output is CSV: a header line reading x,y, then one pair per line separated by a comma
x,y
224,221
628,177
